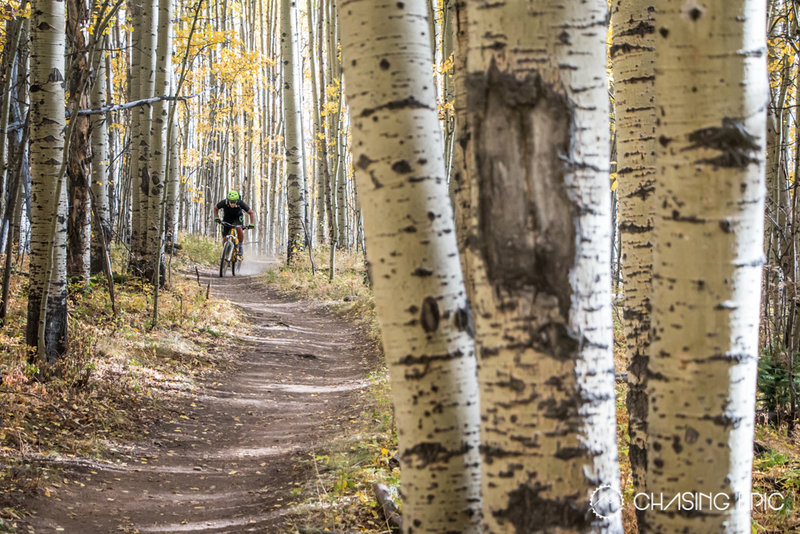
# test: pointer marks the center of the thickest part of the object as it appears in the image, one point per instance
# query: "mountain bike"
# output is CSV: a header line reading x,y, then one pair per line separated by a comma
x,y
229,249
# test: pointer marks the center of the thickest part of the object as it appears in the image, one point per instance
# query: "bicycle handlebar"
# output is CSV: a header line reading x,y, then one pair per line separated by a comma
x,y
229,225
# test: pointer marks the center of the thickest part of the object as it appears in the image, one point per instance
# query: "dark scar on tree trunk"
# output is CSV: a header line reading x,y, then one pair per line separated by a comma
x,y
521,180
529,511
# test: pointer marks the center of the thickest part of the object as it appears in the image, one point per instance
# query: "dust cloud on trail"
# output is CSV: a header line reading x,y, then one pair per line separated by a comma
x,y
254,264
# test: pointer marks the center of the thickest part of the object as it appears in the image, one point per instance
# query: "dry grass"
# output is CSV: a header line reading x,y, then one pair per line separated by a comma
x,y
348,293
199,249
341,498
777,470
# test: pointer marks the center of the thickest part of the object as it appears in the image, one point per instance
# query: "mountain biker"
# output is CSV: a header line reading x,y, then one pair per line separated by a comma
x,y
234,209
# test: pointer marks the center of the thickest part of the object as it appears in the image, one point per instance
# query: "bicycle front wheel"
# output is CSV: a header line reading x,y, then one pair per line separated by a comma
x,y
223,261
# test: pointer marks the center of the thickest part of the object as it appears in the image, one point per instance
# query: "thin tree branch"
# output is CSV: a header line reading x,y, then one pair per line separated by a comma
x,y
14,126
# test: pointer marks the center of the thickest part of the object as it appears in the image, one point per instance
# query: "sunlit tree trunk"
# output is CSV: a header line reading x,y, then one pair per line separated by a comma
x,y
334,124
159,141
172,185
46,150
143,74
536,155
711,92
100,163
411,246
318,142
292,136
632,59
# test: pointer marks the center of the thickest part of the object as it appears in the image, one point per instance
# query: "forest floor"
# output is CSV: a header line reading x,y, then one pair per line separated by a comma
x,y
235,455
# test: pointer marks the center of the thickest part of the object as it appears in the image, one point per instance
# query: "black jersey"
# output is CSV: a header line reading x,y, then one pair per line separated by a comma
x,y
233,215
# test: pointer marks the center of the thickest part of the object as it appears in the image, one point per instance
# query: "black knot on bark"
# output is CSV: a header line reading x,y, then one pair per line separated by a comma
x,y
401,167
463,321
55,76
429,316
363,162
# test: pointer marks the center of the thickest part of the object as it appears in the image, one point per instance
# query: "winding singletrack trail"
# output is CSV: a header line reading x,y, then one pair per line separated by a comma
x,y
231,456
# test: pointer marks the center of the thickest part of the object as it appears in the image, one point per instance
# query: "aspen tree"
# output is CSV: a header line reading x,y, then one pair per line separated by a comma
x,y
13,36
535,144
411,246
632,58
159,141
100,163
292,137
711,94
143,75
47,141
317,102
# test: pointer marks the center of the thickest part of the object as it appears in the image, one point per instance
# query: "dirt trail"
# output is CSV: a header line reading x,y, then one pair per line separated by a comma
x,y
231,466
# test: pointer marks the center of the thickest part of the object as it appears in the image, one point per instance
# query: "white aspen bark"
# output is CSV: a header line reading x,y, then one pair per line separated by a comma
x,y
324,160
343,240
632,60
146,18
711,92
48,39
536,155
159,140
173,186
317,141
134,93
411,247
100,161
292,136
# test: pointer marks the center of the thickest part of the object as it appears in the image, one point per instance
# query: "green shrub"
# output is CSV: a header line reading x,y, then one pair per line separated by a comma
x,y
773,380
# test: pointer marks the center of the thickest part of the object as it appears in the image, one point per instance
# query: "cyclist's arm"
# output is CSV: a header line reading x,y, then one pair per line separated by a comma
x,y
252,215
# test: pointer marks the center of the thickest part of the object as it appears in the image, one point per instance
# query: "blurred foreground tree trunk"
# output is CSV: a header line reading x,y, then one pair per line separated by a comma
x,y
632,58
533,108
411,245
711,92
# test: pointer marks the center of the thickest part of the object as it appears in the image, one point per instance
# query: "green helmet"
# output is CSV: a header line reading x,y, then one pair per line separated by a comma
x,y
233,196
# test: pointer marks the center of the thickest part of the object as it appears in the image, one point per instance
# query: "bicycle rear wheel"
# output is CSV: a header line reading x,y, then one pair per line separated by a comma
x,y
234,265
